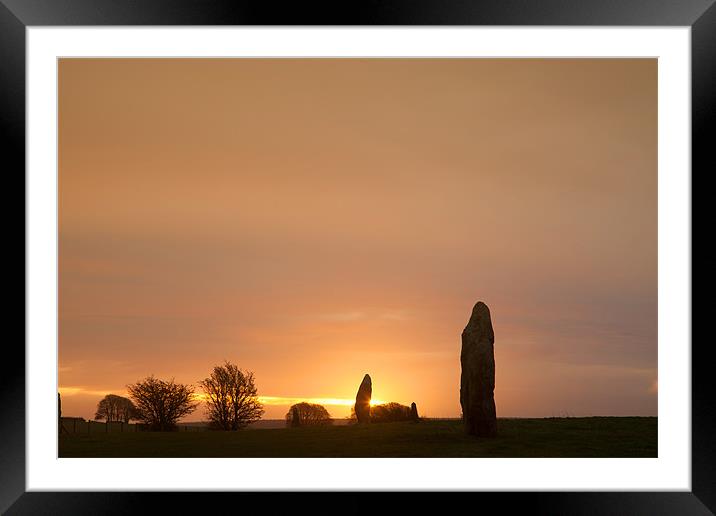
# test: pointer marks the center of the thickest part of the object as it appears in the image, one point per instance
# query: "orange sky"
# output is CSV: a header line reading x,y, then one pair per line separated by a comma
x,y
316,220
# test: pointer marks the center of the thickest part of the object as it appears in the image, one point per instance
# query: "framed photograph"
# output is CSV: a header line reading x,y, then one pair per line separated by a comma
x,y
430,247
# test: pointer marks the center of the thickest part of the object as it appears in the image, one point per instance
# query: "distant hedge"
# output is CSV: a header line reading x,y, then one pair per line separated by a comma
x,y
389,412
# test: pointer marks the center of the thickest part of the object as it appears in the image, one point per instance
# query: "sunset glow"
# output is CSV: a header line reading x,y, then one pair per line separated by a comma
x,y
314,220
268,401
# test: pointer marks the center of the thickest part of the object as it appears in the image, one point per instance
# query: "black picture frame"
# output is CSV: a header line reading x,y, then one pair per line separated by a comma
x,y
16,15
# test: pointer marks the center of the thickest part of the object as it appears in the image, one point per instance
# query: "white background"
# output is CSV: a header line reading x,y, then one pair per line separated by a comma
x,y
671,470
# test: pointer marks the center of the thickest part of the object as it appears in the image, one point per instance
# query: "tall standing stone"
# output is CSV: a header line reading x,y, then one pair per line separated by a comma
x,y
477,381
362,408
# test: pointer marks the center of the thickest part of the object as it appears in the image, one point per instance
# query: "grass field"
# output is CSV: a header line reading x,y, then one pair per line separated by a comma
x,y
550,437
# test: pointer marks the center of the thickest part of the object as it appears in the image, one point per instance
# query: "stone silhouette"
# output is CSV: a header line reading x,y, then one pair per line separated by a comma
x,y
477,381
362,407
414,412
60,424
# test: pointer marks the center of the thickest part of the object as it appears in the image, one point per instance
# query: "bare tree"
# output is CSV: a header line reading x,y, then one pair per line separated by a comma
x,y
126,410
309,414
105,409
160,404
116,408
231,397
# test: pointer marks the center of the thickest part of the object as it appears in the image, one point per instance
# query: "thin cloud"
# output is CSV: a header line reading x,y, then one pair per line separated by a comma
x,y
281,400
395,315
342,316
82,391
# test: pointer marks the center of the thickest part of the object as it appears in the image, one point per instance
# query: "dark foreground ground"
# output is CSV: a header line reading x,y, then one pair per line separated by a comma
x,y
551,437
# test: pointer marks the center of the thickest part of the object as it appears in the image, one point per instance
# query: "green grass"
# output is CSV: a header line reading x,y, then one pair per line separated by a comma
x,y
550,437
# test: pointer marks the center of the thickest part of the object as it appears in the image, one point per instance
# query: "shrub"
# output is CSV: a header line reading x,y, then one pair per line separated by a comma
x,y
309,414
389,412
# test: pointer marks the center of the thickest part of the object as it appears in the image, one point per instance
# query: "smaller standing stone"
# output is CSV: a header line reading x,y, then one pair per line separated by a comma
x,y
362,407
414,412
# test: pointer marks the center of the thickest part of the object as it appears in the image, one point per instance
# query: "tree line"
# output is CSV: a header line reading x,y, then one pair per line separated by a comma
x,y
231,399
230,395
390,412
311,414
